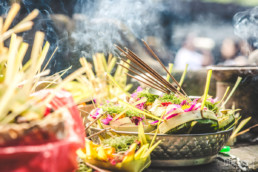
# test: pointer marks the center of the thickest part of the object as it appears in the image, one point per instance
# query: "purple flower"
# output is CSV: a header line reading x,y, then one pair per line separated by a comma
x,y
136,119
107,120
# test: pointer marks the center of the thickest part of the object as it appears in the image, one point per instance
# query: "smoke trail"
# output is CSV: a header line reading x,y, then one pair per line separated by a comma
x,y
246,25
106,22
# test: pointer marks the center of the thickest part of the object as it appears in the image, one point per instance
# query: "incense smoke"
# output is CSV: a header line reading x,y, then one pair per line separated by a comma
x,y
246,26
106,22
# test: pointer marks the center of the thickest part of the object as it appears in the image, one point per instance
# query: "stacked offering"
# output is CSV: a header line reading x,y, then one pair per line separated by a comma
x,y
39,131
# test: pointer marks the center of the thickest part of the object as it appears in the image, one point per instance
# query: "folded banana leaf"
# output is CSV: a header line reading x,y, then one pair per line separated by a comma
x,y
196,127
193,122
131,166
226,120
128,155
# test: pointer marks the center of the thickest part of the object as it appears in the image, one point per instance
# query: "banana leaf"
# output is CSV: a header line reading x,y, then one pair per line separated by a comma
x,y
190,123
200,126
130,166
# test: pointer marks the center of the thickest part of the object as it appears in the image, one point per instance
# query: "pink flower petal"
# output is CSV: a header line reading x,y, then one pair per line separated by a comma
x,y
173,109
154,122
183,102
136,119
170,116
190,109
134,95
107,120
95,115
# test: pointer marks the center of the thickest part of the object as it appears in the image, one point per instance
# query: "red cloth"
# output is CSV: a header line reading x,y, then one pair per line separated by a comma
x,y
59,156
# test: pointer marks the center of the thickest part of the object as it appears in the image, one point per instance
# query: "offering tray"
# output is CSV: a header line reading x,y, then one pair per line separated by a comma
x,y
182,149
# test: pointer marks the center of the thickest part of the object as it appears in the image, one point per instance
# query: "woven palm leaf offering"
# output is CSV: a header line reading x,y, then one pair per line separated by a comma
x,y
118,153
177,113
36,128
193,130
100,83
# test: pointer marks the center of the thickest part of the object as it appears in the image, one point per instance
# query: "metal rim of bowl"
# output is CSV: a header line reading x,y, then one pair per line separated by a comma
x,y
166,135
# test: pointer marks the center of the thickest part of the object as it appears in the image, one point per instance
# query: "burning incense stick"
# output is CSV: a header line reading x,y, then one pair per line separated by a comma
x,y
161,84
154,55
158,87
146,77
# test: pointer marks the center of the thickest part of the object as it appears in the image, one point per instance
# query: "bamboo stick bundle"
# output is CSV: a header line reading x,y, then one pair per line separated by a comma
x,y
18,81
149,76
99,81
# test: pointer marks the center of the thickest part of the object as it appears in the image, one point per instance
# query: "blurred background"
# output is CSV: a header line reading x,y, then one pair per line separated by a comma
x,y
197,32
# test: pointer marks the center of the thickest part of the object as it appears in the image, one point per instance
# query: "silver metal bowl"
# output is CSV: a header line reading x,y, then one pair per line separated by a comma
x,y
183,149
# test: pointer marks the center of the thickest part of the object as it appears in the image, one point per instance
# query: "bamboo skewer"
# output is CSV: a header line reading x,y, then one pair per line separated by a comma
x,y
37,46
29,17
50,58
170,66
24,25
11,14
95,120
102,131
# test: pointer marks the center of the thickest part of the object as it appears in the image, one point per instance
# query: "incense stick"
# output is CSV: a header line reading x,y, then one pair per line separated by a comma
x,y
156,57
146,76
102,131
146,83
157,86
142,65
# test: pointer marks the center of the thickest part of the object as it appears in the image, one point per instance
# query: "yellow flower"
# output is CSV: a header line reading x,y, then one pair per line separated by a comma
x,y
185,107
149,103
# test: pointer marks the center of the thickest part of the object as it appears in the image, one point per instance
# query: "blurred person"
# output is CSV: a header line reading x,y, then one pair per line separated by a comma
x,y
233,53
253,51
189,54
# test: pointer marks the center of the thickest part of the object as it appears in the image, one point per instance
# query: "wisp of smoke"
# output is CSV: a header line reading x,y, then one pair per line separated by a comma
x,y
246,25
114,21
